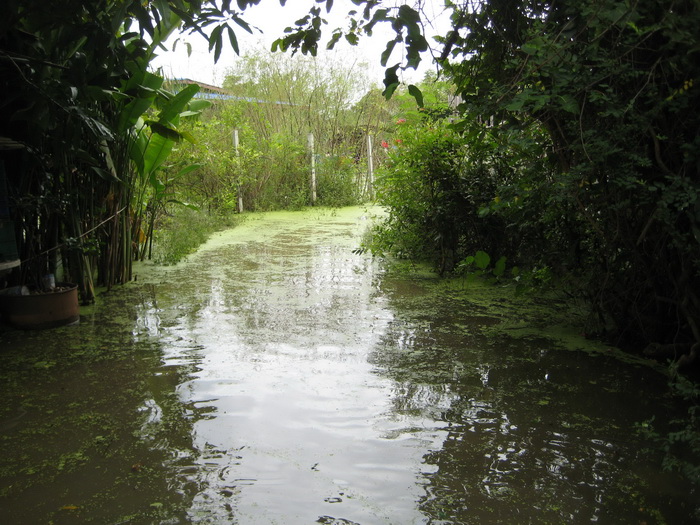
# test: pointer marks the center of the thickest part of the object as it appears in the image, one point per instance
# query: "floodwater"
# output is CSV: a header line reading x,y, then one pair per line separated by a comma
x,y
278,376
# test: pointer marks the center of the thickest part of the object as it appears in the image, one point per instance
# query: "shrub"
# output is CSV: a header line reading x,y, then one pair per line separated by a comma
x,y
336,182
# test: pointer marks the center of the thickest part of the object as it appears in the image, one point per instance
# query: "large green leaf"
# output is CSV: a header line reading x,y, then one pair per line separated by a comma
x,y
198,105
171,111
482,260
215,42
391,81
188,169
416,93
184,204
138,143
159,147
144,94
500,267
233,40
386,54
165,131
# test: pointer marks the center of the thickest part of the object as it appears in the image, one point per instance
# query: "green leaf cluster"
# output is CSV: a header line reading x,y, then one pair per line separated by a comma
x,y
87,123
591,141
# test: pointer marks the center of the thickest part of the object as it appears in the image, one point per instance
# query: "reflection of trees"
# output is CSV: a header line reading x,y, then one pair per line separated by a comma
x,y
529,435
286,301
166,423
278,293
169,412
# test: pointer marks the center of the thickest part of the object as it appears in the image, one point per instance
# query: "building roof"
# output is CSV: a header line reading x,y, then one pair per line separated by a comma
x,y
210,92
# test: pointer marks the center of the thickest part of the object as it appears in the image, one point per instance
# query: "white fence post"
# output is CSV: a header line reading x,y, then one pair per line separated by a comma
x,y
235,148
370,167
313,168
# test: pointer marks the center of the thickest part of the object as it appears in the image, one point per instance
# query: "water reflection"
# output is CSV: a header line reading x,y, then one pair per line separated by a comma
x,y
293,425
528,435
322,391
278,377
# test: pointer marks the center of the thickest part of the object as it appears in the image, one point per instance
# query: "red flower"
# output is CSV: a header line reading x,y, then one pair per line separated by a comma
x,y
398,141
385,144
401,121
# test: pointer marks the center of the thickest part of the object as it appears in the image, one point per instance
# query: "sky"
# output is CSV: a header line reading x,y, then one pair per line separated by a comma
x,y
271,18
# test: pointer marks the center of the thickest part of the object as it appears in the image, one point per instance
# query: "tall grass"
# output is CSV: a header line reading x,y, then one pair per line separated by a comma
x,y
184,230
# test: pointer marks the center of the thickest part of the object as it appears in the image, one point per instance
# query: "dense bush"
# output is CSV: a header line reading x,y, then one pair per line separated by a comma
x,y
589,165
454,190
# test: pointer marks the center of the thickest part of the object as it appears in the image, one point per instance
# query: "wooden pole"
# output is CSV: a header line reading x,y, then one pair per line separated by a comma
x,y
240,192
313,168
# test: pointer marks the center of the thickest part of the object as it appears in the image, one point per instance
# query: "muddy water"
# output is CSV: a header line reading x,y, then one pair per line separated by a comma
x,y
279,377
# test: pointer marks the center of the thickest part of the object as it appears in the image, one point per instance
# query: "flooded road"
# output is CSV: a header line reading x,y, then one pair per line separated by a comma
x,y
280,377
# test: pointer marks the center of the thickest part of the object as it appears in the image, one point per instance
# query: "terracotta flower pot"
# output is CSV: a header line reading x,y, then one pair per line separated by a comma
x,y
41,310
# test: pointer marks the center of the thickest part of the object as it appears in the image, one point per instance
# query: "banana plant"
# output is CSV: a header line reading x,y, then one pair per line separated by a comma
x,y
153,138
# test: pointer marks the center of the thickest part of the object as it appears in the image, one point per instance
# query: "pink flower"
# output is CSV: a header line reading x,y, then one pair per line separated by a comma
x,y
401,121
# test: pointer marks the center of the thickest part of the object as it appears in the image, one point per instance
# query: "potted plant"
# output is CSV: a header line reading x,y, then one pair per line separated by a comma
x,y
41,308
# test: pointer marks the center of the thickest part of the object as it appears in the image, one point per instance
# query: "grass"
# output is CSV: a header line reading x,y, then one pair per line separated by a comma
x,y
184,230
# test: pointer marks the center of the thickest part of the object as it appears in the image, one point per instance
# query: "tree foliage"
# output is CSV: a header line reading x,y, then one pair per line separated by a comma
x,y
592,105
300,95
75,85
591,108
612,84
273,103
